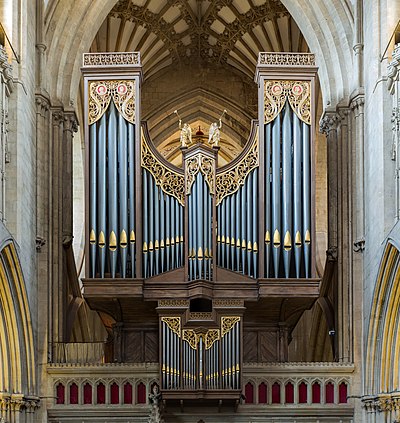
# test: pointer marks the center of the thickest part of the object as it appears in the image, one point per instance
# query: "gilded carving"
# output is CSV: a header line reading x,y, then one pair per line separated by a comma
x,y
227,323
173,323
173,303
189,335
111,59
286,59
228,182
228,303
171,182
203,164
101,93
210,337
297,93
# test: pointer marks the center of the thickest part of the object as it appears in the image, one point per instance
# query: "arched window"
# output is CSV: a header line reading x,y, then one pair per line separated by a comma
x,y
276,393
101,393
289,393
114,393
302,393
87,393
249,393
343,393
60,394
329,393
128,393
73,394
141,393
316,393
262,393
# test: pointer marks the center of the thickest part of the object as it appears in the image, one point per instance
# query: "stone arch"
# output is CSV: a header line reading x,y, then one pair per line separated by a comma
x,y
17,372
383,343
327,28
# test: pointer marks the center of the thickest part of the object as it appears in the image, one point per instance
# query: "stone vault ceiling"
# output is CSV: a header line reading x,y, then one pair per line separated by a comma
x,y
220,32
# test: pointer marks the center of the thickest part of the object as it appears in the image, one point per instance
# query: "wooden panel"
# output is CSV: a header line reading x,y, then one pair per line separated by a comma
x,y
133,347
268,346
151,346
250,347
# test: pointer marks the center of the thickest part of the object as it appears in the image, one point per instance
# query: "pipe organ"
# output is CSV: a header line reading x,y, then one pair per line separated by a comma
x,y
200,358
242,234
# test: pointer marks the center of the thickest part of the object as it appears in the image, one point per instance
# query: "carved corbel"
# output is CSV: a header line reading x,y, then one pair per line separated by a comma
x,y
6,71
359,245
328,122
394,69
332,254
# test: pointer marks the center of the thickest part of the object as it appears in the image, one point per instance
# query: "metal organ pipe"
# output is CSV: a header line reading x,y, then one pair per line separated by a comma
x,y
199,221
267,201
145,224
157,229
123,193
306,197
287,188
102,201
297,212
249,202
254,222
132,197
276,192
112,189
93,199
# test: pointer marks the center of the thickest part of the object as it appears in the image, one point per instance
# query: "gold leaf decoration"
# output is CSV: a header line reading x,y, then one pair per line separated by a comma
x,y
210,337
173,323
171,182
228,182
100,94
297,93
203,164
189,335
227,323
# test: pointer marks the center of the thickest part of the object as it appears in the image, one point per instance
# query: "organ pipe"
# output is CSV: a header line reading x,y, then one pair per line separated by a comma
x,y
102,203
276,193
306,198
297,189
123,193
267,201
286,188
93,199
132,199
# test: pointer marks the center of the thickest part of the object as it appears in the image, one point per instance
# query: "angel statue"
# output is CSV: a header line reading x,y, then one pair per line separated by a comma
x,y
156,405
186,132
214,134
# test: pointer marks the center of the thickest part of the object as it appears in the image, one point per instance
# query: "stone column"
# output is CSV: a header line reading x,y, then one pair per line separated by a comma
x,y
57,289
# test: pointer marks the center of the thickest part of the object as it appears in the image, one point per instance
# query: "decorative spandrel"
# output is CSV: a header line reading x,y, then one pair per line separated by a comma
x,y
231,180
297,93
171,182
203,164
121,91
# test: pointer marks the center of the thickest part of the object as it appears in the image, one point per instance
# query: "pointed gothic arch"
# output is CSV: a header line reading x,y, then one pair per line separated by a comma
x,y
17,370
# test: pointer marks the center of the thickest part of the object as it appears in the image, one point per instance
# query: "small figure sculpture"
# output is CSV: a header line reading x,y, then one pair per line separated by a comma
x,y
155,402
186,132
214,134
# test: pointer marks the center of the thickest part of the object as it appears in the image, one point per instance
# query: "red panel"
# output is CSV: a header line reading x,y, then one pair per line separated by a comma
x,y
302,393
329,393
342,393
128,393
141,393
87,393
114,390
101,394
276,393
249,393
60,394
262,393
289,393
73,394
316,393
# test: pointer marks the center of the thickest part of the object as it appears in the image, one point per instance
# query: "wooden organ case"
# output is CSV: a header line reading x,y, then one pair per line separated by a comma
x,y
200,268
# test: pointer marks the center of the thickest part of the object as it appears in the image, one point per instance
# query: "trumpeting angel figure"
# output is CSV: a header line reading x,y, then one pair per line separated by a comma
x,y
214,133
186,132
